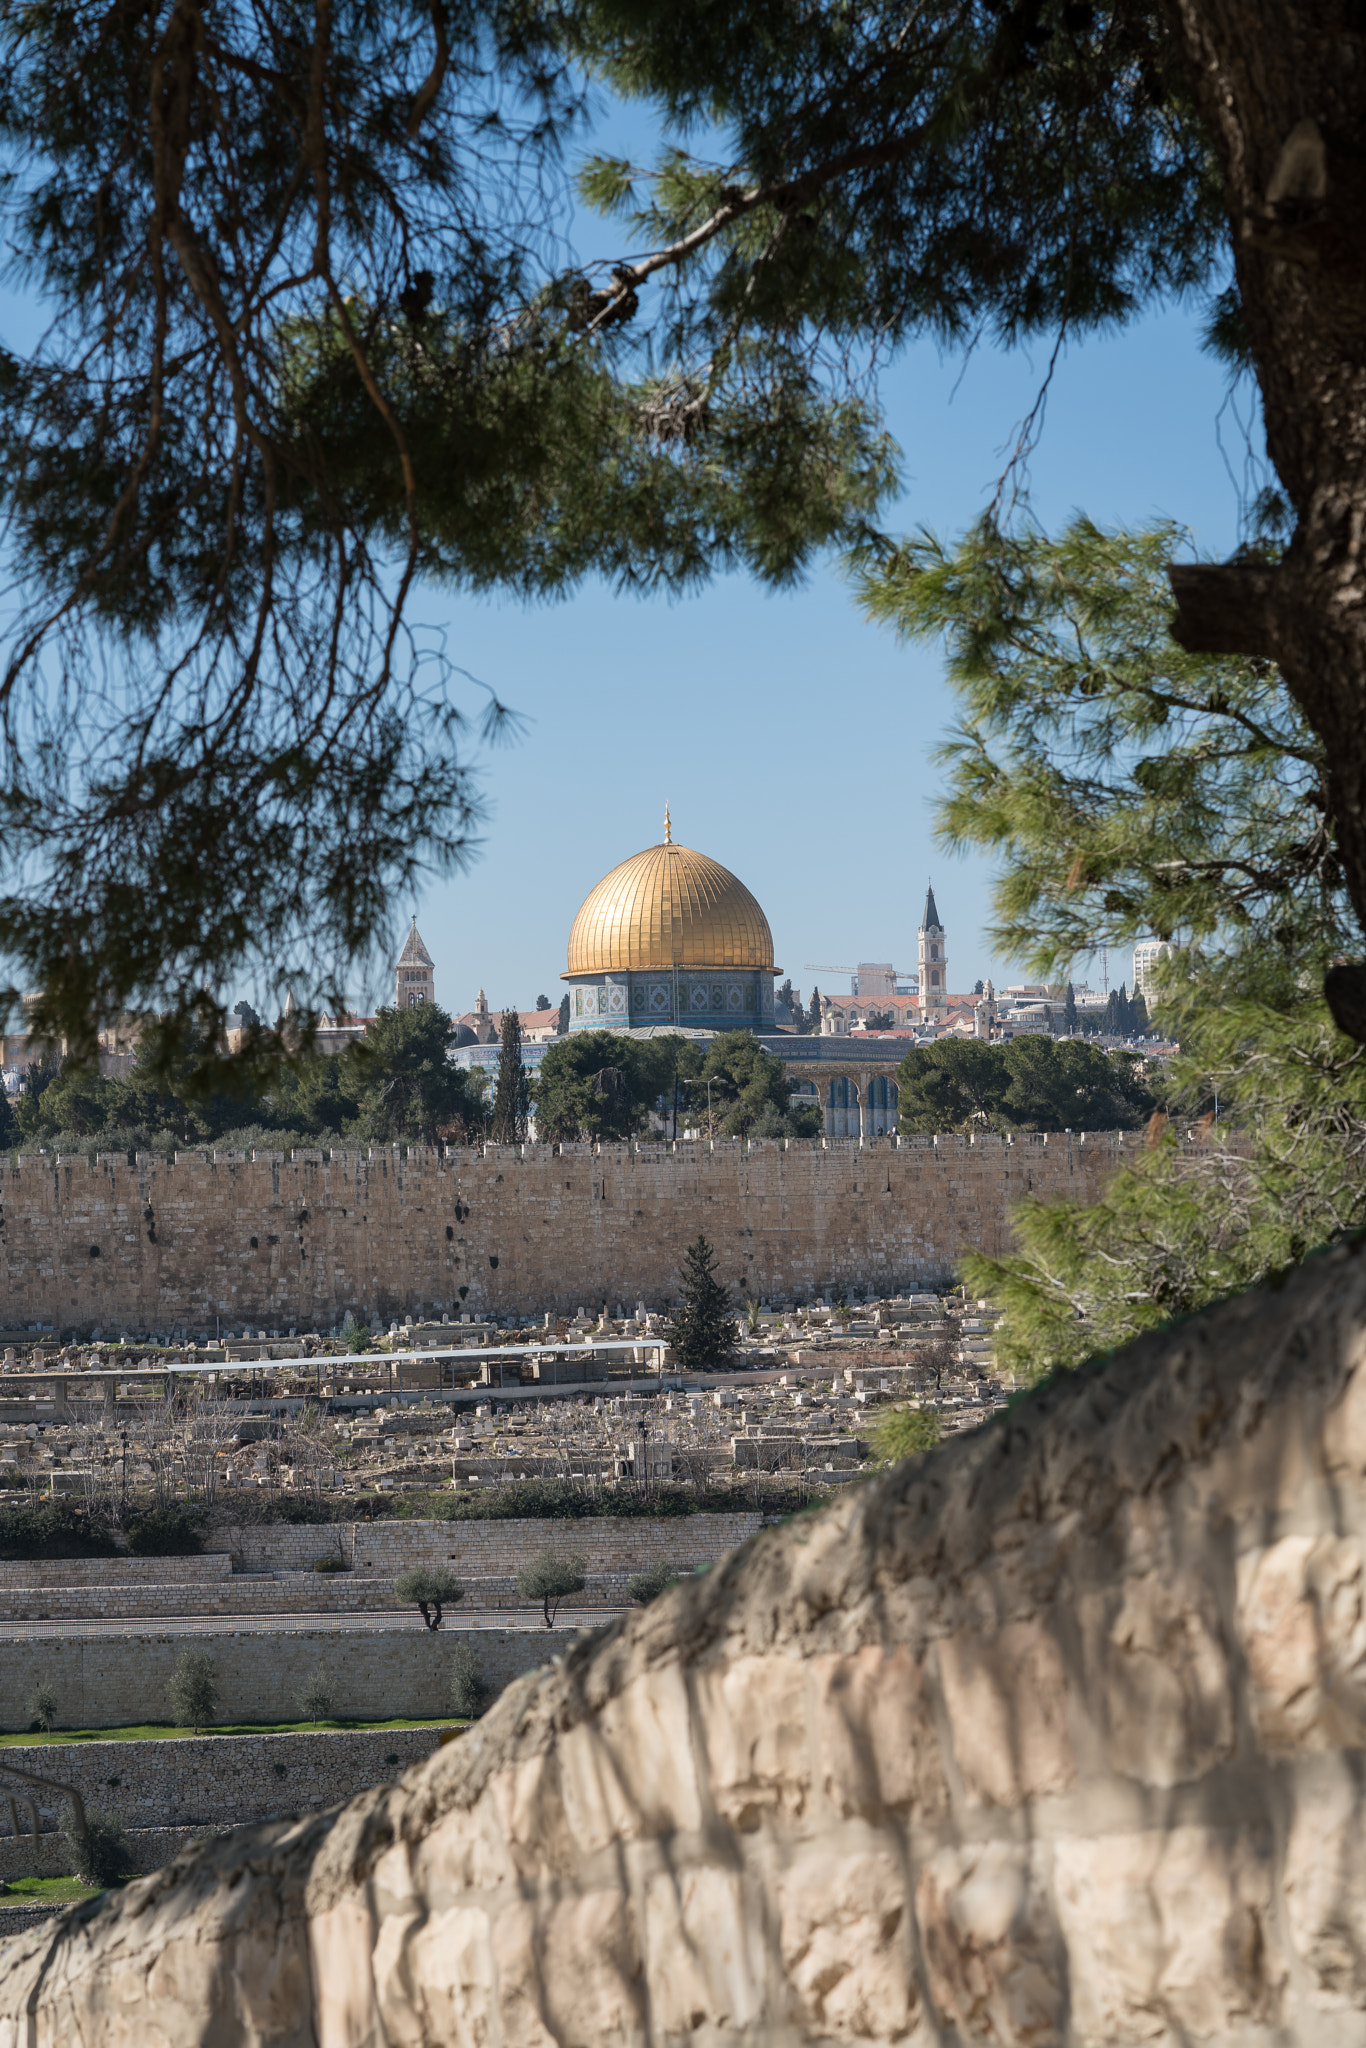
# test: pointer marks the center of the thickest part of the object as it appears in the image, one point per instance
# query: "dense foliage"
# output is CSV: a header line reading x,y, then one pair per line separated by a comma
x,y
314,337
604,1084
751,1093
702,1328
52,1528
511,1094
395,1086
174,1530
1033,1083
1125,788
551,1576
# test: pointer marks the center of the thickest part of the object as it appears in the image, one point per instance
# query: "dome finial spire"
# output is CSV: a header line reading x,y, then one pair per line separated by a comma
x,y
668,828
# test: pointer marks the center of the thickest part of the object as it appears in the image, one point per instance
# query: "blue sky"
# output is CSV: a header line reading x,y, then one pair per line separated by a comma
x,y
794,742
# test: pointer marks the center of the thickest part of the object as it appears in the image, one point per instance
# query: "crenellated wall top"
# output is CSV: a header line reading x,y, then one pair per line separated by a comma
x,y
695,1151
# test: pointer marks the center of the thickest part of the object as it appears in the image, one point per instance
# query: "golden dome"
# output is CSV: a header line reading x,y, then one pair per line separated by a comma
x,y
669,907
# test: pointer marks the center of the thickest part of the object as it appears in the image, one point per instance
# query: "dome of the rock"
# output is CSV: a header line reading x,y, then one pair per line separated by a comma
x,y
670,936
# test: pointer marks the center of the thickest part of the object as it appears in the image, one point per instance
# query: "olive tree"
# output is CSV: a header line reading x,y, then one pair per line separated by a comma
x,y
550,1576
429,1591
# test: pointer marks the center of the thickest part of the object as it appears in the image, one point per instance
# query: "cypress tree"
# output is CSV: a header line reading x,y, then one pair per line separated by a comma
x,y
1069,1009
702,1335
511,1096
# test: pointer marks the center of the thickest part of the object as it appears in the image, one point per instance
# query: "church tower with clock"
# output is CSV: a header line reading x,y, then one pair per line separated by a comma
x,y
934,973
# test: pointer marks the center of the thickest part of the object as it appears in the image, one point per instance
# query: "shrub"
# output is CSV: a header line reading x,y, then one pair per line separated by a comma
x,y
904,1433
315,1701
647,1586
426,1589
193,1690
330,1563
42,1706
469,1689
172,1531
105,1857
55,1528
549,1577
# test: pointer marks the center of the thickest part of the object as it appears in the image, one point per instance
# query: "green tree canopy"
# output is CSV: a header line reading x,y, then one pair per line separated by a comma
x,y
604,1084
406,1085
1033,1083
552,1576
396,1084
1122,788
429,1589
511,1095
751,1093
266,408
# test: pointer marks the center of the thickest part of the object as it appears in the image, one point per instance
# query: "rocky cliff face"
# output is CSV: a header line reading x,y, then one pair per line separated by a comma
x,y
1056,1737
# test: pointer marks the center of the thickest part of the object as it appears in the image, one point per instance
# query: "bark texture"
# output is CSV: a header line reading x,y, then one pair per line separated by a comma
x,y
1056,1737
1282,86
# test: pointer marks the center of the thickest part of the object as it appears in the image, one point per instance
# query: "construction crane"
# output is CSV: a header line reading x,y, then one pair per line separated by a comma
x,y
815,967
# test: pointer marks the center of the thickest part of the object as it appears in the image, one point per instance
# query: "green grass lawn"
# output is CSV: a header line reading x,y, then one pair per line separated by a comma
x,y
157,1731
46,1891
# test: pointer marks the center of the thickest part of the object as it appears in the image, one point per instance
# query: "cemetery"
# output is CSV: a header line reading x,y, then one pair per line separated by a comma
x,y
266,1501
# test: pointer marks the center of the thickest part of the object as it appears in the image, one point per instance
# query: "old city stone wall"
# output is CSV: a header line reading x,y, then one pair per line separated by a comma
x,y
113,1680
298,1240
1053,1739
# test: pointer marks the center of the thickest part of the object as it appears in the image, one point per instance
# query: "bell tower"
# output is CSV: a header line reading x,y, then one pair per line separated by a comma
x,y
933,967
414,974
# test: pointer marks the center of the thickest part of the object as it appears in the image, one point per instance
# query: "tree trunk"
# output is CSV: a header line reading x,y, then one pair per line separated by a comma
x,y
1282,88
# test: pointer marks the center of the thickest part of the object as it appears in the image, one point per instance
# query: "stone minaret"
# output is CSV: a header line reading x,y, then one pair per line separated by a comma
x,y
414,976
934,973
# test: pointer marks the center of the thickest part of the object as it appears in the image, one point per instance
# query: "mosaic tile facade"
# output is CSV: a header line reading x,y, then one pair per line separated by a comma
x,y
724,1001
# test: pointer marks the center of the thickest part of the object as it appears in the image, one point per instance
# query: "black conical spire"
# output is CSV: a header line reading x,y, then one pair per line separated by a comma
x,y
930,921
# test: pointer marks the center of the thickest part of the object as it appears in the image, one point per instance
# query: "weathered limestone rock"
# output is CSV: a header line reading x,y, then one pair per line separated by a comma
x,y
1058,1737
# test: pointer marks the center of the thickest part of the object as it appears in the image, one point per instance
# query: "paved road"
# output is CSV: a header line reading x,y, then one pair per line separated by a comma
x,y
282,1624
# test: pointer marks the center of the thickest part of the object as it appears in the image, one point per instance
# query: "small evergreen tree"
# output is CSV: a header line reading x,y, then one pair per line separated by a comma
x,y
42,1706
1069,1009
703,1328
193,1690
511,1096
316,1702
813,1012
643,1587
564,1016
469,1689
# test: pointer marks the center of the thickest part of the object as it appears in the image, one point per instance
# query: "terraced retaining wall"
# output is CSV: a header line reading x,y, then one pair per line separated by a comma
x,y
165,1793
274,1574
112,1680
299,1239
